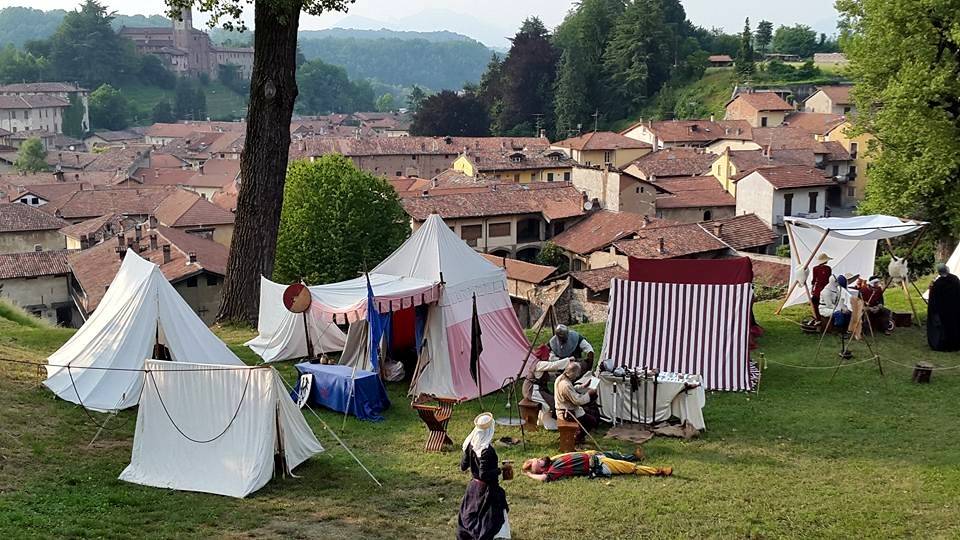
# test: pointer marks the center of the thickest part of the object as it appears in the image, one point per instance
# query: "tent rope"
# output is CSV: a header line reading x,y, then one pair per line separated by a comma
x,y
99,426
189,438
140,370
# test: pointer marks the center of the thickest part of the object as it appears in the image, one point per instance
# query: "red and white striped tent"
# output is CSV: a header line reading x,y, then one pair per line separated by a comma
x,y
691,328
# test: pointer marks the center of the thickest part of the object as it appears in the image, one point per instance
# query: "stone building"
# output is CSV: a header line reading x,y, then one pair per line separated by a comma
x,y
38,282
26,228
187,51
63,91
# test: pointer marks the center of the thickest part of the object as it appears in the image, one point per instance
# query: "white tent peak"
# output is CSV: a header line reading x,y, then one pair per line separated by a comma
x,y
140,309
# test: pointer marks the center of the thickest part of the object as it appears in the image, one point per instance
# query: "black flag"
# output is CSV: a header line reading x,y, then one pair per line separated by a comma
x,y
476,344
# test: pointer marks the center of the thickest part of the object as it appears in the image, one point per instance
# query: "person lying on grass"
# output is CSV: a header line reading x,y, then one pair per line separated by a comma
x,y
591,463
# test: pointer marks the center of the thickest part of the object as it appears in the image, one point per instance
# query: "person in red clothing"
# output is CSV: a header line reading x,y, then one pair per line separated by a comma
x,y
590,463
871,292
821,276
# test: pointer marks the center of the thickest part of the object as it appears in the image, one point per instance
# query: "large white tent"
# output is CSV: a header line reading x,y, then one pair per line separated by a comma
x,y
281,333
105,356
850,242
248,418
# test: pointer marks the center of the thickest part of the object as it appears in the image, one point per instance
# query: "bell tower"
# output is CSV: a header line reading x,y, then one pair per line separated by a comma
x,y
182,29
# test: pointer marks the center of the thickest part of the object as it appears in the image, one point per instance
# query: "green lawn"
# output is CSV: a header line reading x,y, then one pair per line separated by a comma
x,y
222,102
861,456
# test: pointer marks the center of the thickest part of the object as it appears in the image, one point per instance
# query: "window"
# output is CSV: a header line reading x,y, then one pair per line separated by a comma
x,y
212,281
853,172
499,229
528,230
788,204
192,282
846,110
763,121
851,191
516,178
549,177
566,176
854,147
34,200
813,202
607,156
471,233
836,170
399,173
576,265
707,215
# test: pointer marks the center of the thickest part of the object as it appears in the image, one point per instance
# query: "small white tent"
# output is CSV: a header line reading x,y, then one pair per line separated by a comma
x,y
850,242
281,334
139,310
248,418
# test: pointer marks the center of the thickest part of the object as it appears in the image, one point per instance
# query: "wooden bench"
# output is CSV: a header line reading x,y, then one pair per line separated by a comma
x,y
435,417
568,433
529,414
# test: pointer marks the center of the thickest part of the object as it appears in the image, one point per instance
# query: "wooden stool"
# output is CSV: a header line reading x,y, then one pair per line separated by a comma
x,y
529,414
902,320
568,433
922,372
436,417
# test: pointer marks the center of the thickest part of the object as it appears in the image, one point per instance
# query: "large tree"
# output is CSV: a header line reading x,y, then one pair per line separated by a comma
x,y
109,109
263,164
337,220
745,65
527,82
326,88
798,39
31,157
449,113
764,35
907,66
86,49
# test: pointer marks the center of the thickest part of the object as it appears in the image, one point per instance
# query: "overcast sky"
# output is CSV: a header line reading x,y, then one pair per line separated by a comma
x,y
500,18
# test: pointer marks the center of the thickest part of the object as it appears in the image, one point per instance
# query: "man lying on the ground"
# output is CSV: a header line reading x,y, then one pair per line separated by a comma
x,y
590,463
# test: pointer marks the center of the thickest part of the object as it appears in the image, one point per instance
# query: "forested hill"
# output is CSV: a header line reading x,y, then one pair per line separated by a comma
x,y
21,24
404,62
438,36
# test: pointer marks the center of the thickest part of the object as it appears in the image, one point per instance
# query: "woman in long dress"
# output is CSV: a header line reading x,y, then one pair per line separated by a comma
x,y
483,511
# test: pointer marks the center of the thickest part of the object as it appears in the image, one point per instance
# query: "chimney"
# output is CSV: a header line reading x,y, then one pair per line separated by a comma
x,y
192,257
59,175
425,193
543,134
717,229
153,241
121,241
76,176
660,245
138,232
766,150
121,252
646,220
166,253
201,170
152,222
156,173
711,118
78,158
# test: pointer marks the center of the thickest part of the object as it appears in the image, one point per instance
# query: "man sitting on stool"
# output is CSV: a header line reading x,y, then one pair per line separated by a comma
x,y
570,400
567,343
590,463
880,317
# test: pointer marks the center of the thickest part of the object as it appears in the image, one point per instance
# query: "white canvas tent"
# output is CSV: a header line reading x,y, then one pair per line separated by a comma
x,y
281,334
248,417
139,310
850,242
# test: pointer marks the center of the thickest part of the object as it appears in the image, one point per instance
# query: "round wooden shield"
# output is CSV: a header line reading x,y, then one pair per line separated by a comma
x,y
297,298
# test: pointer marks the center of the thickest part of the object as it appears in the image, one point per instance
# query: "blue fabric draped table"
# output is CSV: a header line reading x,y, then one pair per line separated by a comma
x,y
331,389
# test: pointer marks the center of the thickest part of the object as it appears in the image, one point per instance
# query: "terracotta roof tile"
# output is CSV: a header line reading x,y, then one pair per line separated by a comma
x,y
50,192
117,136
749,160
188,209
678,241
598,279
815,123
719,58
839,94
511,160
674,162
33,101
792,176
697,131
693,192
33,264
86,204
763,101
601,140
186,128
39,87
18,217
602,228
745,231
554,200
521,270
388,146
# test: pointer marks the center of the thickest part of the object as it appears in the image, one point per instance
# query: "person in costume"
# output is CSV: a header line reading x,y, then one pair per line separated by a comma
x,y
591,464
820,277
871,291
833,305
943,311
570,400
484,509
567,344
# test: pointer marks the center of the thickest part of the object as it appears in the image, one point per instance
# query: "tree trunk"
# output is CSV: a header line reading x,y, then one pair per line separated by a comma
x,y
263,164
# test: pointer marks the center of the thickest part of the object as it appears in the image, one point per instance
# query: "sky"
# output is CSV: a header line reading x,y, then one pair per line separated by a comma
x,y
500,18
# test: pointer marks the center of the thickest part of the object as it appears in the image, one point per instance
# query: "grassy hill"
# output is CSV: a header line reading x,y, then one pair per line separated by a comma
x,y
222,102
858,456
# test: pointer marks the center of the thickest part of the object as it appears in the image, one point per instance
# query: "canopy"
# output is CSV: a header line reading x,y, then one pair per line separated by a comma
x,y
435,253
347,300
281,334
851,244
139,310
953,263
247,417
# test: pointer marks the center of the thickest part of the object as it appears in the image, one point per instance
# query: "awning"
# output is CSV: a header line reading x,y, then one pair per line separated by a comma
x,y
346,301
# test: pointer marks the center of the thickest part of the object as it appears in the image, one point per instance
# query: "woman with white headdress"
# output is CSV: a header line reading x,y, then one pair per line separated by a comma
x,y
483,511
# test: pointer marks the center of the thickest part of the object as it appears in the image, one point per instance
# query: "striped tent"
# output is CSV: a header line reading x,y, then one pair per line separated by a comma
x,y
700,329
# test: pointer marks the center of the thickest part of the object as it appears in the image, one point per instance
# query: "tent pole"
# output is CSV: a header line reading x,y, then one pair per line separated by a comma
x,y
306,334
903,284
806,265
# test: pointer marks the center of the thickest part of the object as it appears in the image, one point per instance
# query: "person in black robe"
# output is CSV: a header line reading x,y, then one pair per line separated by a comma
x,y
943,312
483,511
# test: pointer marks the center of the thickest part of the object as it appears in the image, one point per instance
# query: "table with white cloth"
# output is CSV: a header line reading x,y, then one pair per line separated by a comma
x,y
677,395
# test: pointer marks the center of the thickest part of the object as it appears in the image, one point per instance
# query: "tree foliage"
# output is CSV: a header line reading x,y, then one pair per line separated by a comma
x,y
109,109
337,221
190,100
798,39
745,65
163,113
764,35
85,48
553,255
415,98
326,88
907,66
31,157
449,113
385,103
73,124
152,71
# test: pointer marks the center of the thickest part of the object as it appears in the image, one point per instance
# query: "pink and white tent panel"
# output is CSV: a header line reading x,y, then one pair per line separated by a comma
x,y
682,328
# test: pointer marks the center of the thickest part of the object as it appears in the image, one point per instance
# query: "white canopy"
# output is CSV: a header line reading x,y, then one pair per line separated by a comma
x,y
347,300
247,418
851,244
281,334
139,310
953,263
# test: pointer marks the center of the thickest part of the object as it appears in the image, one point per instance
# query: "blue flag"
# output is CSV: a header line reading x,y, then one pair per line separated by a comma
x,y
375,323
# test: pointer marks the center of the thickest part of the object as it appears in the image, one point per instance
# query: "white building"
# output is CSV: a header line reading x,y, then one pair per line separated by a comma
x,y
774,192
54,89
33,112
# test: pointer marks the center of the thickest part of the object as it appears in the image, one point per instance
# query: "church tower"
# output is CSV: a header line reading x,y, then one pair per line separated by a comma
x,y
182,29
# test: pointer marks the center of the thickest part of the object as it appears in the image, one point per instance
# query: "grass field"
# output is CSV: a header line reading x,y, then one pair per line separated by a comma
x,y
860,456
222,102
